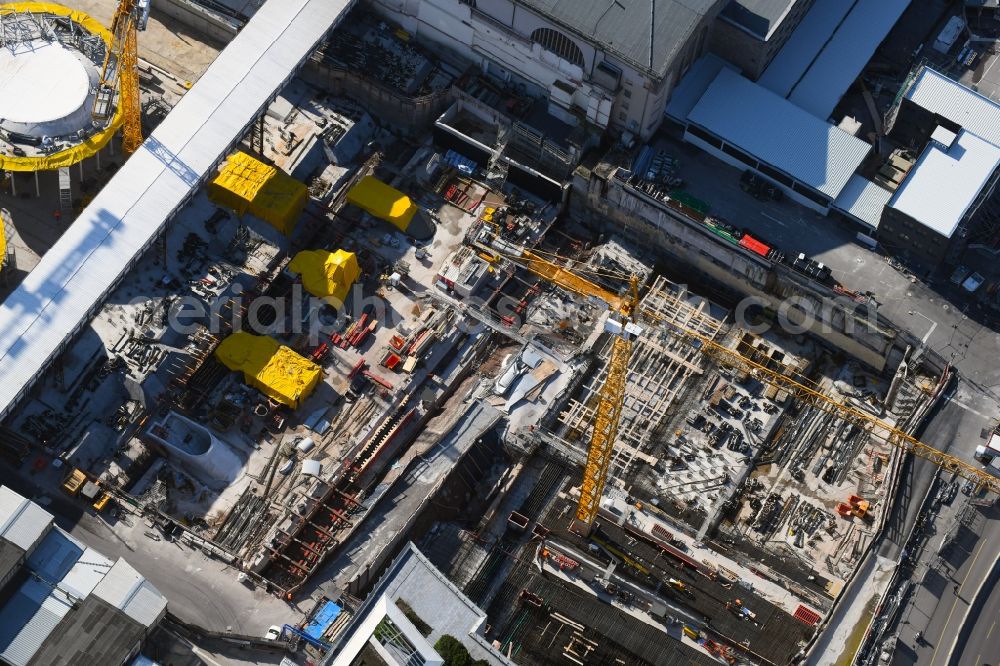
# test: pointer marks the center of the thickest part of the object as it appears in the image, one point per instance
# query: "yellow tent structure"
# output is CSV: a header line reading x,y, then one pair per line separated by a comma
x,y
325,274
384,202
270,367
247,185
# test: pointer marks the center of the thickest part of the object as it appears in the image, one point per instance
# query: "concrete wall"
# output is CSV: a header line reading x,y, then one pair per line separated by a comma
x,y
902,235
411,115
841,322
214,26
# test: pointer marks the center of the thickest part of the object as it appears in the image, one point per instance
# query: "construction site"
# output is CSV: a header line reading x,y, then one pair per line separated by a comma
x,y
340,339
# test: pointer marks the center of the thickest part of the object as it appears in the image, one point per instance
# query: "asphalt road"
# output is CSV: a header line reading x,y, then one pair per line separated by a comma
x,y
199,590
935,311
940,609
981,647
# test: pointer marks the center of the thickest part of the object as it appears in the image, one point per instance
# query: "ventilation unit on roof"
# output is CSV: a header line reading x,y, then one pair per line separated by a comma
x,y
943,137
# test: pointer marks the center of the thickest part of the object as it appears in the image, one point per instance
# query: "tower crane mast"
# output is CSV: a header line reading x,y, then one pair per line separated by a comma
x,y
612,392
120,73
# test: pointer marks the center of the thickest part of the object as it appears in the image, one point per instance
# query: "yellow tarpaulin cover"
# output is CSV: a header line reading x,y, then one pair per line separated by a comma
x,y
270,367
384,202
245,184
93,143
325,274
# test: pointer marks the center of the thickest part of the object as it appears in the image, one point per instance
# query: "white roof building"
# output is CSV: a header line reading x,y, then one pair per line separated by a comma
x,y
73,600
963,106
944,183
413,591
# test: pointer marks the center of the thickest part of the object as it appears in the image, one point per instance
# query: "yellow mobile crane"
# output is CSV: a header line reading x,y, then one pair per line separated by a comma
x,y
612,392
120,73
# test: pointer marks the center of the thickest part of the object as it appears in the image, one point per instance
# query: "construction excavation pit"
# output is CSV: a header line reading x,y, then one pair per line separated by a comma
x,y
50,71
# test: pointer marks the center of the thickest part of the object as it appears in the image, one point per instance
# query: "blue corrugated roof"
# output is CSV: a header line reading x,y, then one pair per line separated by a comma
x,y
778,133
27,619
845,55
808,39
693,86
55,556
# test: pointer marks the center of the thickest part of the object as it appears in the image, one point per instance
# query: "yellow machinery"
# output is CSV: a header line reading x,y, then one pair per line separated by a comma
x,y
875,426
612,393
120,73
74,482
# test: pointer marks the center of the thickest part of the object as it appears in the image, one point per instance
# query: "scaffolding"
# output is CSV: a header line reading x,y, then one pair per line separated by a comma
x,y
659,369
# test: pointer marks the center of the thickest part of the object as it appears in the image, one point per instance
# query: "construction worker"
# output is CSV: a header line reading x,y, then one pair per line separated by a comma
x,y
57,215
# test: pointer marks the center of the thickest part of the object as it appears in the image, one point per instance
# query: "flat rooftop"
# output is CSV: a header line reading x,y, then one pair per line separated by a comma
x,y
760,17
94,632
943,184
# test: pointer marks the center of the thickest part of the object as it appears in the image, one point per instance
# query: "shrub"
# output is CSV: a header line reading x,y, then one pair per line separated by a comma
x,y
411,615
452,651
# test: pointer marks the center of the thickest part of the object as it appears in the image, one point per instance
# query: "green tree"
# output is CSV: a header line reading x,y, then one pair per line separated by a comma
x,y
452,651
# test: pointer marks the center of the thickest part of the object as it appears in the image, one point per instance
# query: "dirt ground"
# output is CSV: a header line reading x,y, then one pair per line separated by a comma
x,y
165,43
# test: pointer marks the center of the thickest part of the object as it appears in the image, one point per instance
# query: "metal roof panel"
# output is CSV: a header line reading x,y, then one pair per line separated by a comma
x,y
840,62
942,185
938,94
863,200
778,133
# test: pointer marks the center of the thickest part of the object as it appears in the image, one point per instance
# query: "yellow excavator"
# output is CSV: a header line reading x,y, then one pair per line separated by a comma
x,y
625,327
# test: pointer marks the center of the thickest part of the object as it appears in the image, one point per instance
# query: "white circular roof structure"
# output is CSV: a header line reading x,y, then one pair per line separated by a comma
x,y
50,69
43,82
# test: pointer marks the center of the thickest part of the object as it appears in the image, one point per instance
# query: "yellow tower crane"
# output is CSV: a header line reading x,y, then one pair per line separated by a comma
x,y
612,393
799,388
120,73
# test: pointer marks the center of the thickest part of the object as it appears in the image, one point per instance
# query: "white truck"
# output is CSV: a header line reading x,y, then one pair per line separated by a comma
x,y
949,34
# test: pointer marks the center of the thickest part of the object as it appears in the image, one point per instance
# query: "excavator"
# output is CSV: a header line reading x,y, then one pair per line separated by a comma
x,y
624,324
120,73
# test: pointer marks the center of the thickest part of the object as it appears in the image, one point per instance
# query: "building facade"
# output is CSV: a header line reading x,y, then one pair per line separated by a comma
x,y
749,33
608,65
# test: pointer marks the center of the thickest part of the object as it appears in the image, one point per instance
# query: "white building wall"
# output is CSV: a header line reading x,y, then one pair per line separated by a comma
x,y
456,27
729,159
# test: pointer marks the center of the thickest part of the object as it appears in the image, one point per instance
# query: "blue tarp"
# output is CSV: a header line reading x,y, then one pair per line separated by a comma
x,y
322,620
460,162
